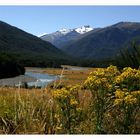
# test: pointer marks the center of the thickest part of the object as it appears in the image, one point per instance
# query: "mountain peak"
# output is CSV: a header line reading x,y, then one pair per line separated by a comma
x,y
62,36
84,29
80,30
64,31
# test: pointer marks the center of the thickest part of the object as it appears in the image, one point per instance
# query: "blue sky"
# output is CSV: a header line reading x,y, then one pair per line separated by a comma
x,y
47,19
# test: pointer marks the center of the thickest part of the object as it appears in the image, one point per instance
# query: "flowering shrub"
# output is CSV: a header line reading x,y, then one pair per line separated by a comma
x,y
115,90
102,78
68,101
125,97
68,93
100,83
129,78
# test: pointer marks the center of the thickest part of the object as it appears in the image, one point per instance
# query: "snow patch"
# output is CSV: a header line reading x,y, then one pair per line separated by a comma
x,y
64,31
83,29
42,34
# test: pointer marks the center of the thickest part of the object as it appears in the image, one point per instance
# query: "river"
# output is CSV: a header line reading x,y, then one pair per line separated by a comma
x,y
34,78
42,79
45,79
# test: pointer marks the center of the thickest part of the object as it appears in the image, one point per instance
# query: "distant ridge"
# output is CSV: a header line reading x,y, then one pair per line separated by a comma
x,y
28,49
104,43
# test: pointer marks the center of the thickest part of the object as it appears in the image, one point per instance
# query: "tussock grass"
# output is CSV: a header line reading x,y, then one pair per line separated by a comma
x,y
30,111
105,102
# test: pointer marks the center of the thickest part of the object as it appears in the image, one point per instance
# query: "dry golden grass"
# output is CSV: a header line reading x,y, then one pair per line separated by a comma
x,y
24,111
31,111
69,77
38,111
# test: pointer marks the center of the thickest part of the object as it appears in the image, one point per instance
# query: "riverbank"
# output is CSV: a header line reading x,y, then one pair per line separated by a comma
x,y
16,80
71,75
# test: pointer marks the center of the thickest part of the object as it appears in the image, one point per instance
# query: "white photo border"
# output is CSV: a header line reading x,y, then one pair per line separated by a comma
x,y
69,2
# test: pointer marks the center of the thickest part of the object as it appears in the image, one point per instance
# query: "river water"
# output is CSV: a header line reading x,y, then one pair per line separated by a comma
x,y
34,78
42,79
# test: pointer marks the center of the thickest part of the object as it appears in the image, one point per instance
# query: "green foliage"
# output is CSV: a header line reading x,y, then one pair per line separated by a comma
x,y
29,50
130,56
9,67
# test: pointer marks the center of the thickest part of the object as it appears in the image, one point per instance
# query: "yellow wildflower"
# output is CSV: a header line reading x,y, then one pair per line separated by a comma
x,y
119,94
129,76
136,93
74,88
118,101
129,99
112,71
73,102
60,93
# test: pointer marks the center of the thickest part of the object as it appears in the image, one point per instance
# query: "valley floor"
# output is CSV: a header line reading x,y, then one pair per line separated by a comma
x,y
87,101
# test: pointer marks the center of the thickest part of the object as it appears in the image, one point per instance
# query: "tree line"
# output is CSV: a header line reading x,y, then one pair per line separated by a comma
x,y
9,67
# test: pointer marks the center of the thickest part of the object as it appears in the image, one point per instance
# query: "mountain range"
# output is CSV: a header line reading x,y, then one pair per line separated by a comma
x,y
27,49
96,44
68,46
64,36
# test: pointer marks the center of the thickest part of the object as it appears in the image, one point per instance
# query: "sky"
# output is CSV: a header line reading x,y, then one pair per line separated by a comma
x,y
47,19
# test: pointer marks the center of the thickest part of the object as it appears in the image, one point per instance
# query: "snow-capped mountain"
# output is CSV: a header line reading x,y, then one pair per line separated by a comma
x,y
83,29
64,31
63,36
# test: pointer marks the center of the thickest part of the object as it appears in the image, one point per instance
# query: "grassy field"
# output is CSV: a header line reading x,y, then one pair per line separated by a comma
x,y
90,101
34,111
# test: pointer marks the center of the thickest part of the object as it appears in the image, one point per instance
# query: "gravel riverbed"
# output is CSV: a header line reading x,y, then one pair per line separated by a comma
x,y
16,80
